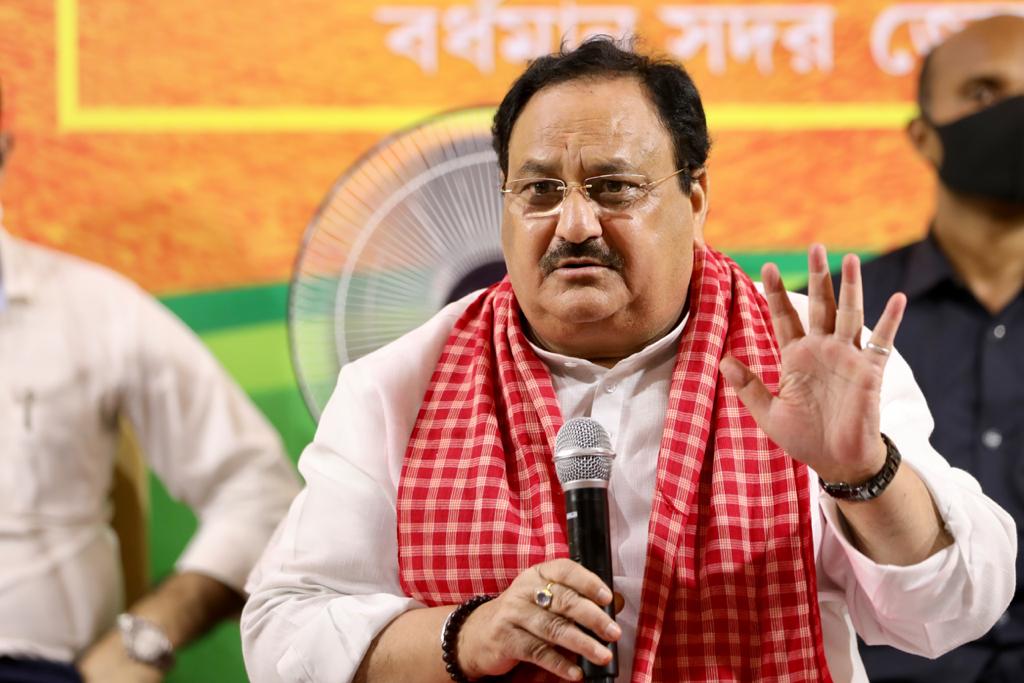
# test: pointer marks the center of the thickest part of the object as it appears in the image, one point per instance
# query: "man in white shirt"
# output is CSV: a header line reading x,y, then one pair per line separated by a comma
x,y
428,543
81,351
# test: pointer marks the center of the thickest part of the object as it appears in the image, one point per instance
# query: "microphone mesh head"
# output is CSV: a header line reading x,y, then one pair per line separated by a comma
x,y
582,433
583,451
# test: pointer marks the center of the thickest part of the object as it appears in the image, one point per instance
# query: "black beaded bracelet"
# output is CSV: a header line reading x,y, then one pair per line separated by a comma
x,y
450,635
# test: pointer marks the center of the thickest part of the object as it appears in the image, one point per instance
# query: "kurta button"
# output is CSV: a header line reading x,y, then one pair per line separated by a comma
x,y
999,331
610,389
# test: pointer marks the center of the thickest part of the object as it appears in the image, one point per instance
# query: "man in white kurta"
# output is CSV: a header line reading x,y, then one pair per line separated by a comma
x,y
329,581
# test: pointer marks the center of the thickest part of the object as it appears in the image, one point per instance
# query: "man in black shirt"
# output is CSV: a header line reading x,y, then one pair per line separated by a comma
x,y
963,332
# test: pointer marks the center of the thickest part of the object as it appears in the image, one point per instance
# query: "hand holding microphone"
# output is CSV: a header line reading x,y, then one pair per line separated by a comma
x,y
562,606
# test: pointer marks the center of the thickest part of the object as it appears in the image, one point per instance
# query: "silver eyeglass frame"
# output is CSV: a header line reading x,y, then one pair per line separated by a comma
x,y
586,185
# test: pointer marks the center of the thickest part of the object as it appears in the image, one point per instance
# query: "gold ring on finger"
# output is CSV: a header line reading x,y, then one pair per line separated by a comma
x,y
543,597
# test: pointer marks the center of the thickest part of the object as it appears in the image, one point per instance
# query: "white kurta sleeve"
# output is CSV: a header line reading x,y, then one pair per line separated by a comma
x,y
958,593
206,441
328,583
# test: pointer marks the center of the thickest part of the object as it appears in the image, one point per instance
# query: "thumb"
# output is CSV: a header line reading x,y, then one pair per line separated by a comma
x,y
748,387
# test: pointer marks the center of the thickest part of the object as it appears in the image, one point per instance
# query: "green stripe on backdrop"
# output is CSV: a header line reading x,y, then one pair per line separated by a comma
x,y
256,355
792,264
246,330
236,307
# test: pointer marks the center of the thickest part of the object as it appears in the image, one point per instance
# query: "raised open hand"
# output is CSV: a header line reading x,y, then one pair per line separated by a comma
x,y
826,413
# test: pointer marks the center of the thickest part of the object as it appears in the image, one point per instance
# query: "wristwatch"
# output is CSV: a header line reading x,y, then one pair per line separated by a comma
x,y
145,642
874,486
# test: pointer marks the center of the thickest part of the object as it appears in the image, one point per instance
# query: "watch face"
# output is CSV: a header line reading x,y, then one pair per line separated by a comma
x,y
145,642
149,644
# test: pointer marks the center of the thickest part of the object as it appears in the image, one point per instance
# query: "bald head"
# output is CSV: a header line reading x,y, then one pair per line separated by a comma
x,y
973,69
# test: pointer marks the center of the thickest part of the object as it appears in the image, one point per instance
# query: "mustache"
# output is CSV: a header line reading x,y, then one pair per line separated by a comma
x,y
592,249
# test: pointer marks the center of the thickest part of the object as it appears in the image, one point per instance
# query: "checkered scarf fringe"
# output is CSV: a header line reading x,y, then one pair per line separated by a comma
x,y
729,591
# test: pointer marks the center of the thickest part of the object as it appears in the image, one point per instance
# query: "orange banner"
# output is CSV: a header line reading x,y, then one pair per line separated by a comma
x,y
187,144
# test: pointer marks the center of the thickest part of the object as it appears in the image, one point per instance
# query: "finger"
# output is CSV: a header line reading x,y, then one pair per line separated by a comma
x,y
850,314
562,631
884,333
577,577
821,299
748,387
569,604
527,647
785,319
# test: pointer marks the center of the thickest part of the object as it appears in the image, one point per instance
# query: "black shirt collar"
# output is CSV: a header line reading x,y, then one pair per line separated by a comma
x,y
927,268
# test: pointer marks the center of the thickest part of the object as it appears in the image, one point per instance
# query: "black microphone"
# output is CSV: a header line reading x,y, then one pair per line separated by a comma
x,y
583,462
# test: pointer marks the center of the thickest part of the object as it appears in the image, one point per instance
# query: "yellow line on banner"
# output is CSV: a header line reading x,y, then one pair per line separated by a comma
x,y
371,119
810,116
66,23
245,119
72,117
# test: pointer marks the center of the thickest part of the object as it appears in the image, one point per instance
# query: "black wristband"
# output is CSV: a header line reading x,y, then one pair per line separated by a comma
x,y
450,635
874,486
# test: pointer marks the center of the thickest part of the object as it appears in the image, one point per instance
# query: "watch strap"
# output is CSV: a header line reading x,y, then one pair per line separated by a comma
x,y
873,487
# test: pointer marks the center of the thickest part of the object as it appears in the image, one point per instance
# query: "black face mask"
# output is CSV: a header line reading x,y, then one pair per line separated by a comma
x,y
983,153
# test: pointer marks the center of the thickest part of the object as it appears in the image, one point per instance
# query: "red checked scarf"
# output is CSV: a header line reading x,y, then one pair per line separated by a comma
x,y
729,590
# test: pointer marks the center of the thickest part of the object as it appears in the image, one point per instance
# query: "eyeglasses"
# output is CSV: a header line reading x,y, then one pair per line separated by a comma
x,y
612,193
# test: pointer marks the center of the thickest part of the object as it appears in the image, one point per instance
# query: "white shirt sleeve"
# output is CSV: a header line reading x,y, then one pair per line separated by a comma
x,y
208,444
955,595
